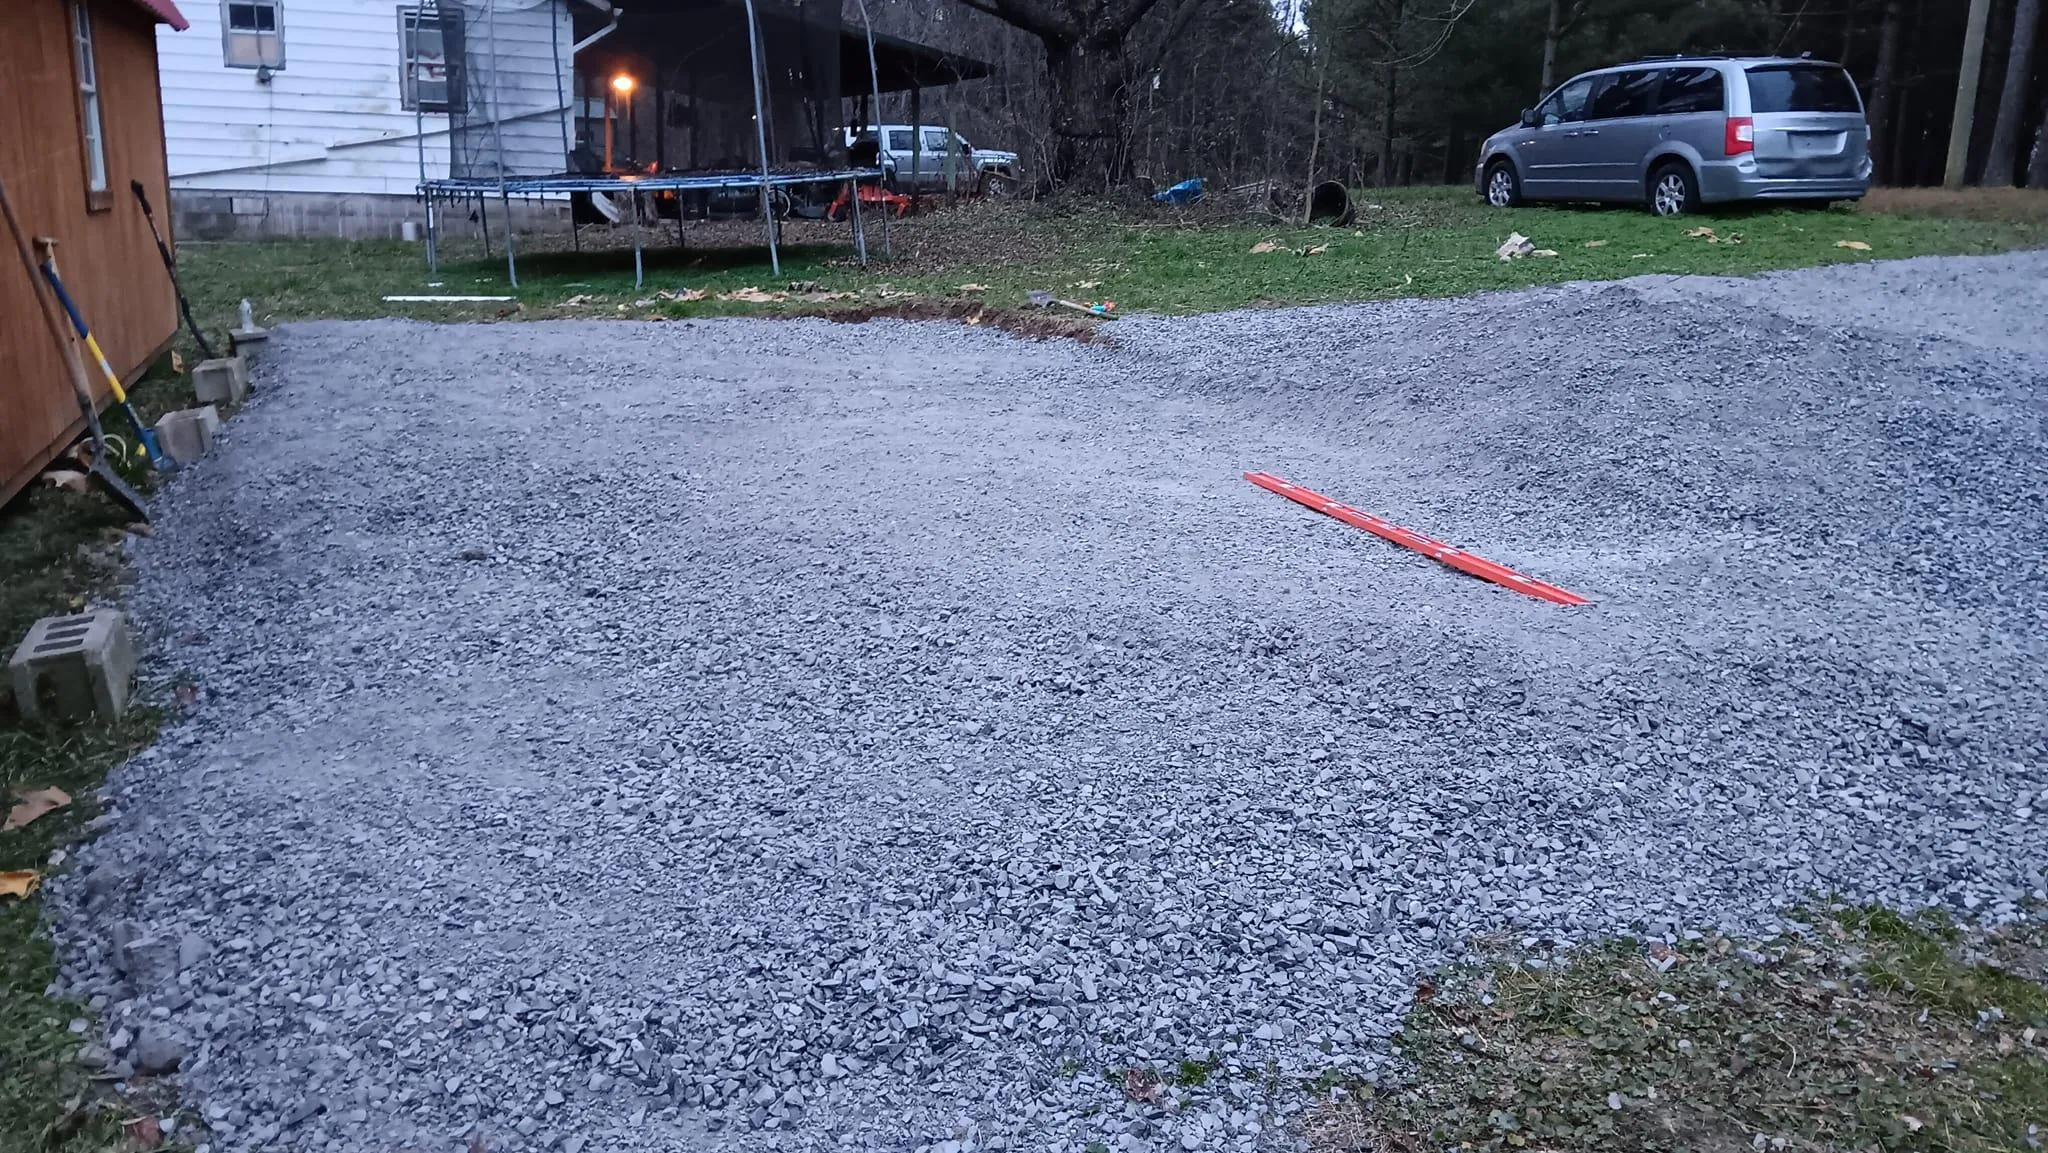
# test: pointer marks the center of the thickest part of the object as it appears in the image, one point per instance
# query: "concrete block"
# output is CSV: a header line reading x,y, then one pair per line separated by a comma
x,y
221,381
188,433
74,666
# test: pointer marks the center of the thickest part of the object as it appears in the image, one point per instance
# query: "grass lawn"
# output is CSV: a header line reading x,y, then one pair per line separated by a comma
x,y
1407,242
1866,1031
55,546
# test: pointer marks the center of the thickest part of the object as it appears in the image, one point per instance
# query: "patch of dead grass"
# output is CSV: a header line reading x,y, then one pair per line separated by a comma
x,y
1992,205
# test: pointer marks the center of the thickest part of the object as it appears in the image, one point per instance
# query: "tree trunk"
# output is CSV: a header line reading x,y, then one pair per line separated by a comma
x,y
1315,139
1553,31
1392,91
2037,168
2012,99
1965,117
1088,95
1884,85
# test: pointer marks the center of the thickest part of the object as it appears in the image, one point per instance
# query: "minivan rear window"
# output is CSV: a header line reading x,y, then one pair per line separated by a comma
x,y
1801,88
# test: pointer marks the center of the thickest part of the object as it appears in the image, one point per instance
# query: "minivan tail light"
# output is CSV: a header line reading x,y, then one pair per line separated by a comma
x,y
1741,136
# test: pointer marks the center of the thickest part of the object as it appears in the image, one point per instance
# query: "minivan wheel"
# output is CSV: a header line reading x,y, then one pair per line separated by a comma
x,y
1673,191
1503,187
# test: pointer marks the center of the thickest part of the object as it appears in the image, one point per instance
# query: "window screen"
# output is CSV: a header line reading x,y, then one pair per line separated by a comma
x,y
1627,94
430,54
1692,90
252,33
1801,88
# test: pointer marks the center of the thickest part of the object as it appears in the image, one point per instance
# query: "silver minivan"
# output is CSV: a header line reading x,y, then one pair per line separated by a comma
x,y
1680,132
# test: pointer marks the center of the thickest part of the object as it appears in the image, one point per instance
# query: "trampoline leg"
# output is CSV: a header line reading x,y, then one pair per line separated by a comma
x,y
638,275
860,233
511,259
433,254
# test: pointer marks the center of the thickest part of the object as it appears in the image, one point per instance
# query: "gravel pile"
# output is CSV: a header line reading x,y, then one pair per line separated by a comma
x,y
782,736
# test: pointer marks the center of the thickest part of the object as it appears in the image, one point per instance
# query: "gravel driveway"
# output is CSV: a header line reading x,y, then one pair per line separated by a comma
x,y
769,735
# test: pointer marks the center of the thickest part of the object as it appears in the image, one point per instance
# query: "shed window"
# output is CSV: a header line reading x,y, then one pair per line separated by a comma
x,y
252,33
430,55
88,99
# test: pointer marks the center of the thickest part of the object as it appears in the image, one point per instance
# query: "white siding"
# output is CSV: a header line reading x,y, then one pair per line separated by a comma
x,y
333,120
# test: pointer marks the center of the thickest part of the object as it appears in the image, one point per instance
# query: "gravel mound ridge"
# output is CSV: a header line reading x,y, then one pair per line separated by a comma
x,y
779,736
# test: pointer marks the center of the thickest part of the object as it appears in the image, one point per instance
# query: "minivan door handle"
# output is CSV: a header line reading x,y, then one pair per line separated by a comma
x,y
1590,132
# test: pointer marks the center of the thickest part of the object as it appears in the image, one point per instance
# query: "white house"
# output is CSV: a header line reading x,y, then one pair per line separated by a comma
x,y
321,117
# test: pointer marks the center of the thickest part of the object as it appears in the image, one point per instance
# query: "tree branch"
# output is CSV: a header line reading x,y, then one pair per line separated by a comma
x,y
1037,19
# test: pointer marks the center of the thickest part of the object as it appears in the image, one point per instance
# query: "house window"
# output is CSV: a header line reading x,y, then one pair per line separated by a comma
x,y
430,54
252,33
88,99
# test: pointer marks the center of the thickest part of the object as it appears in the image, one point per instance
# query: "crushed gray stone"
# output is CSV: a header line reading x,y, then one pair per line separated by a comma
x,y
768,735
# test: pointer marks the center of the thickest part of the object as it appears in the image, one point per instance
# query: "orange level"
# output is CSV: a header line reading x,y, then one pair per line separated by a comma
x,y
1437,550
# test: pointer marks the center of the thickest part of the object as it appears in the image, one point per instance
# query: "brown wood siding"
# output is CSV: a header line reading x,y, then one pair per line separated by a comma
x,y
107,258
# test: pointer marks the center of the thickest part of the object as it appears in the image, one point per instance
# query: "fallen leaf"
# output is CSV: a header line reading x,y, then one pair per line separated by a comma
x,y
1140,1085
1913,1124
187,696
1266,246
1639,256
972,289
68,479
577,301
1315,250
805,286
1857,245
1701,233
177,362
1544,252
34,803
1087,284
686,295
1596,244
822,297
143,1132
19,883
752,295
1424,990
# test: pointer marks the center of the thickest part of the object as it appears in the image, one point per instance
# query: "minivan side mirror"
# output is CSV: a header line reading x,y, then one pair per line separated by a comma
x,y
1529,119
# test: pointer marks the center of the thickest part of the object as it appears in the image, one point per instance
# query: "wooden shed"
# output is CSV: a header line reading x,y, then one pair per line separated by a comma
x,y
80,117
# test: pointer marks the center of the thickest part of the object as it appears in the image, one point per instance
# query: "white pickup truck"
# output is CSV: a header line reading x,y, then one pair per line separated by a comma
x,y
908,163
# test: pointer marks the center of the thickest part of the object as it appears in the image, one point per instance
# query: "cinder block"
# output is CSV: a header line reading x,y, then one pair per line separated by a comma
x,y
74,666
221,381
188,433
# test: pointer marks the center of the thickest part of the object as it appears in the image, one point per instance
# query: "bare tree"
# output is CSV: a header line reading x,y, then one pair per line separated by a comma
x,y
2012,99
2037,168
1884,86
1563,14
1089,76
